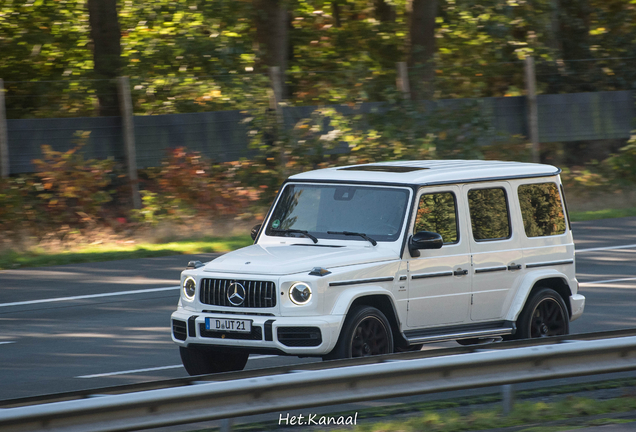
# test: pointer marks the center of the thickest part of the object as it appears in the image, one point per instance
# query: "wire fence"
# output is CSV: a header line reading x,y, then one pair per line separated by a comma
x,y
587,99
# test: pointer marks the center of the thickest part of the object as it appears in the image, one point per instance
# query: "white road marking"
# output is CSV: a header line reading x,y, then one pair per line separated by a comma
x,y
631,246
8,342
130,371
608,281
152,369
88,296
153,290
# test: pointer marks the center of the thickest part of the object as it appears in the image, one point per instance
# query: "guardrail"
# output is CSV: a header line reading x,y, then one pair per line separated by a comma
x,y
310,388
281,370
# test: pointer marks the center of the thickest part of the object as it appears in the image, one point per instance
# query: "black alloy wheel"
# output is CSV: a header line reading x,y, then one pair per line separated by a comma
x,y
371,337
548,319
366,332
545,314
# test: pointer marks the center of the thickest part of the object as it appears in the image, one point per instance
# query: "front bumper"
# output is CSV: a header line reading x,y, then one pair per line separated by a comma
x,y
577,304
303,336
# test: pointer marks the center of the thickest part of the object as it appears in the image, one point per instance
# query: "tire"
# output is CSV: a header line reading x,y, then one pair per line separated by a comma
x,y
543,315
201,361
365,332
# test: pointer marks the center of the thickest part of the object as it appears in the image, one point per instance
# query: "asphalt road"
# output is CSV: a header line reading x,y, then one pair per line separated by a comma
x,y
79,326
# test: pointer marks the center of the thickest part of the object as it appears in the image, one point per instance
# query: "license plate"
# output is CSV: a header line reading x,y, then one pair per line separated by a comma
x,y
228,325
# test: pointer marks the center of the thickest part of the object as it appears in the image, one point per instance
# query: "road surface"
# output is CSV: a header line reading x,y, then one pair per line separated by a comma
x,y
90,325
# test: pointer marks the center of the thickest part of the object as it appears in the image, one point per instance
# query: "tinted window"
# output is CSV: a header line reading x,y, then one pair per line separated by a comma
x,y
436,213
541,209
375,211
489,214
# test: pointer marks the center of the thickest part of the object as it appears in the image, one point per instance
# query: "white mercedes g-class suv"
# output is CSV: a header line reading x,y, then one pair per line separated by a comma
x,y
371,259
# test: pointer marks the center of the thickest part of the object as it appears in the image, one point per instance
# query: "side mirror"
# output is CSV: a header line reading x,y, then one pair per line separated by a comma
x,y
424,240
255,230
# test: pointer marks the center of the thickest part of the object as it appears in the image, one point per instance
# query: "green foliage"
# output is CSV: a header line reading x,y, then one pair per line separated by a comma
x,y
196,55
620,166
412,130
532,415
334,136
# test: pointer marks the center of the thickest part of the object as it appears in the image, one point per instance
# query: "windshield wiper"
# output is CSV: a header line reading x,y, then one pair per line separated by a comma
x,y
349,233
295,231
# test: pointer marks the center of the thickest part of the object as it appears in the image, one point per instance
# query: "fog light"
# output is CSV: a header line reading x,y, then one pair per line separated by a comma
x,y
300,293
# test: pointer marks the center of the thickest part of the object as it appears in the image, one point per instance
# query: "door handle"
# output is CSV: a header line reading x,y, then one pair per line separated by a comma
x,y
515,267
460,272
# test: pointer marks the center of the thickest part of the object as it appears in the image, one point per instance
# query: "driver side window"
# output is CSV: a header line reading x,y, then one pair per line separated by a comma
x,y
437,212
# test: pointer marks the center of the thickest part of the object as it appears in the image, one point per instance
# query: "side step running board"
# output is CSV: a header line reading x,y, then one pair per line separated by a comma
x,y
461,332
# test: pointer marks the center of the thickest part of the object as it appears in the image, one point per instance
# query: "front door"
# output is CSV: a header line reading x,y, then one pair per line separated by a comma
x,y
439,282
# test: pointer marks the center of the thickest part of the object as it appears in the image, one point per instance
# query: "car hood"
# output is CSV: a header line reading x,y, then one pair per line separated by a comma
x,y
289,259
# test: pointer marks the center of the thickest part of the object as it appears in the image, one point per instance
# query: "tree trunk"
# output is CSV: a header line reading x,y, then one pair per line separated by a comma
x,y
272,35
574,32
422,47
335,12
384,12
106,37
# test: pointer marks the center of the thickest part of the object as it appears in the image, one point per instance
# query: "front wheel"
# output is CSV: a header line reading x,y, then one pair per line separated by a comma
x,y
366,332
201,361
545,314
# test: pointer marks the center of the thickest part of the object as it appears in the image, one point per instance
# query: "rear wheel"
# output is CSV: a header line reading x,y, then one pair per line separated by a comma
x,y
366,332
201,361
545,314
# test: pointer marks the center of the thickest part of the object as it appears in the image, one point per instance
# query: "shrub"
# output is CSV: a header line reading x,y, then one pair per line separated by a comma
x,y
66,191
187,184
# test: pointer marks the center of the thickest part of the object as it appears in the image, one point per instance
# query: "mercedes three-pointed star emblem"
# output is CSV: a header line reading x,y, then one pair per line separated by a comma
x,y
236,294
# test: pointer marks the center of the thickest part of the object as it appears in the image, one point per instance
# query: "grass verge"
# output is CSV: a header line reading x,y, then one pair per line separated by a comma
x,y
550,409
582,216
38,257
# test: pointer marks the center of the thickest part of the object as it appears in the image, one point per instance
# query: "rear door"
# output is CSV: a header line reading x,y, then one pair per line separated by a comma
x,y
495,247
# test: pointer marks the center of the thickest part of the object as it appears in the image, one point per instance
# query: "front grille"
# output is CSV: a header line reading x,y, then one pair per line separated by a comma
x,y
299,336
258,294
256,334
179,330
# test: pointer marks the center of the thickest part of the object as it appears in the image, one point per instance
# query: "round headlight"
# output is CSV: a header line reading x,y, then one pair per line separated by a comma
x,y
189,287
300,293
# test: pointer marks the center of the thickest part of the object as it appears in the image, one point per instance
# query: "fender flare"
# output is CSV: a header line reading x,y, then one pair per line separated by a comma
x,y
528,283
345,300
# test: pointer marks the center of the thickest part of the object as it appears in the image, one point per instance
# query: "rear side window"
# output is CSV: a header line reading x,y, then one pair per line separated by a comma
x,y
436,213
541,209
489,215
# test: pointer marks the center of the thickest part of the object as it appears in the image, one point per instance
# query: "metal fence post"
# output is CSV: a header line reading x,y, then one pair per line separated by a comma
x,y
533,112
128,133
402,80
508,398
4,136
226,425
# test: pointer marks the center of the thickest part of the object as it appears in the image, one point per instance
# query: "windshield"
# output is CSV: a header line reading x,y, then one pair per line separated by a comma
x,y
328,211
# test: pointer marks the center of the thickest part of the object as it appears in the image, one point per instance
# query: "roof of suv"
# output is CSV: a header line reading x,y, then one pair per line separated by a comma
x,y
428,172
